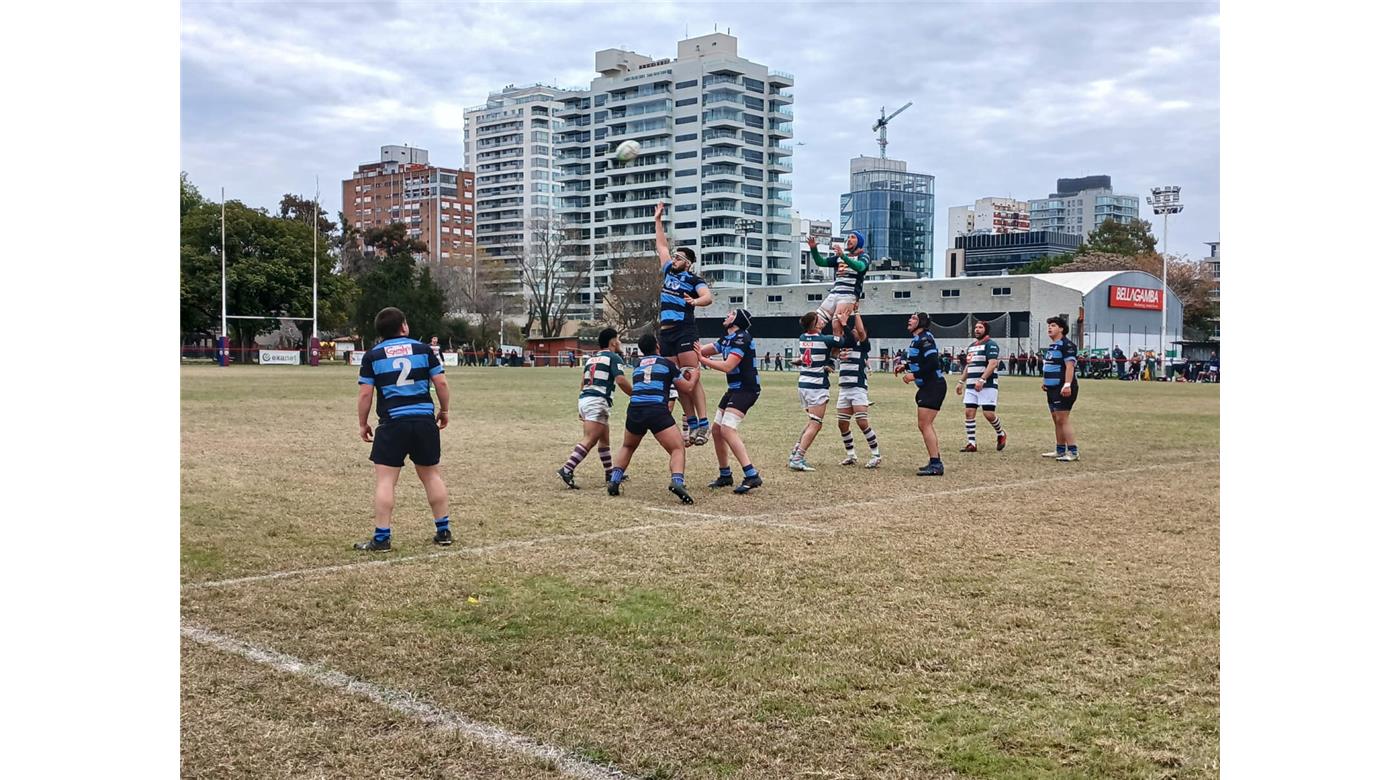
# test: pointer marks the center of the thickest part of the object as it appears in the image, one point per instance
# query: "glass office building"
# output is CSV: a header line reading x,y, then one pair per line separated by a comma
x,y
894,209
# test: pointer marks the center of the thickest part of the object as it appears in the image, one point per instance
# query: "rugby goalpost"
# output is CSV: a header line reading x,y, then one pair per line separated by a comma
x,y
313,342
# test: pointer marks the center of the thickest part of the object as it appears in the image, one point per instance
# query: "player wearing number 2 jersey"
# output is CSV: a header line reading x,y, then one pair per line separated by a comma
x,y
601,373
395,375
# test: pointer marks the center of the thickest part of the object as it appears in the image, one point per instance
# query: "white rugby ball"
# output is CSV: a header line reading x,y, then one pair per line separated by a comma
x,y
628,150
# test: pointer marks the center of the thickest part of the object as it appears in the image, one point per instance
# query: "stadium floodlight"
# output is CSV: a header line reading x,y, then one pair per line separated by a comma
x,y
744,227
1165,201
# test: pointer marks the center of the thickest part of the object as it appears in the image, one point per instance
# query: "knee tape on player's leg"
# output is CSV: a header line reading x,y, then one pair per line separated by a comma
x,y
814,418
843,416
861,416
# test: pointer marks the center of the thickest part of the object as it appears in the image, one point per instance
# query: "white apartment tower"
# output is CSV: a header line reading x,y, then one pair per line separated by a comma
x,y
989,215
713,128
509,144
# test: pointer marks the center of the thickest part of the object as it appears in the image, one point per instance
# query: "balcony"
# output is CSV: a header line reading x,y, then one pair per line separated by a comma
x,y
781,150
779,165
780,129
714,79
780,77
783,111
722,97
780,95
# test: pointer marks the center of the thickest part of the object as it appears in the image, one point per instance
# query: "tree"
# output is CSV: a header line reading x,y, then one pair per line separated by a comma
x,y
633,300
335,292
1193,282
1133,237
551,275
1044,264
397,280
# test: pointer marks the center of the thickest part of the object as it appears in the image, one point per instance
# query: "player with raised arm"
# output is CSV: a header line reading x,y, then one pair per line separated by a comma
x,y
395,375
980,378
738,361
814,352
681,291
651,380
923,366
848,283
854,399
1061,388
600,373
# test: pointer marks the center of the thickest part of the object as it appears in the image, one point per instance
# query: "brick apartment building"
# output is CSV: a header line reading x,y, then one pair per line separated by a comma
x,y
437,204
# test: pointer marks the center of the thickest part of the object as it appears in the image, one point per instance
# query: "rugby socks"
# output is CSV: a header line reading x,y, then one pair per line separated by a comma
x,y
749,471
381,535
996,425
616,476
577,455
850,442
690,423
441,523
703,422
678,479
1074,448
971,427
872,441
725,471
605,455
1060,449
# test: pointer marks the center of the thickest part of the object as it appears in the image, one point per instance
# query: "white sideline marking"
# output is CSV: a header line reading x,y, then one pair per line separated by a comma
x,y
689,513
744,520
408,704
972,489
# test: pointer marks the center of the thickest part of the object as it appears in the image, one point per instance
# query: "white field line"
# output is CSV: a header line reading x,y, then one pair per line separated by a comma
x,y
743,520
758,518
408,704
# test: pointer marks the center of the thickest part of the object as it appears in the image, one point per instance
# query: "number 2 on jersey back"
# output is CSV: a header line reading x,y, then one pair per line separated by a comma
x,y
404,366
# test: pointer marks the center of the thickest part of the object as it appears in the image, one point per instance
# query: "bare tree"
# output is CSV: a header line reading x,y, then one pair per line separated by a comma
x,y
633,300
551,275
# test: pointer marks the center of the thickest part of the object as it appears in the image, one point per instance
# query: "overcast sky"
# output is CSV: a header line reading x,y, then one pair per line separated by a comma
x,y
1007,97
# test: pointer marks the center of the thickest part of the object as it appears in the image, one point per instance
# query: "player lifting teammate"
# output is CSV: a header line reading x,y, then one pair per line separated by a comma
x,y
681,291
739,362
813,385
600,373
396,375
847,286
854,400
651,380
983,357
923,367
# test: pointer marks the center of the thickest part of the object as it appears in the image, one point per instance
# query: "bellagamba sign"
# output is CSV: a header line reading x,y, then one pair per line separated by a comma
x,y
1134,297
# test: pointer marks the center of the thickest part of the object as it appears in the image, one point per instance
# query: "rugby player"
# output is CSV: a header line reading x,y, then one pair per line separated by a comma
x,y
395,375
646,411
738,361
983,358
813,386
1061,388
848,283
600,373
681,291
854,398
923,366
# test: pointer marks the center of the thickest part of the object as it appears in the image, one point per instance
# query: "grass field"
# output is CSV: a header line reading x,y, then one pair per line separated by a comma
x,y
1016,617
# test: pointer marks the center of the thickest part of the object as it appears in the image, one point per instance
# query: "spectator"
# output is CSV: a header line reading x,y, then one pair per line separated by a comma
x,y
1121,360
767,360
778,361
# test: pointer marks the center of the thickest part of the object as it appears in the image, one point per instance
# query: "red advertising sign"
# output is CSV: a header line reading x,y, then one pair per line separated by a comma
x,y
1135,297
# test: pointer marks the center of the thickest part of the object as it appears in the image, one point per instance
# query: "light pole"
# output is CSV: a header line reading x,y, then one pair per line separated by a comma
x,y
744,227
1165,201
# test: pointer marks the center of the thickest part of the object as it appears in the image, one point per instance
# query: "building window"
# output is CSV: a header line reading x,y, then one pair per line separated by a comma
x,y
736,299
952,293
685,155
906,293
684,225
684,190
684,84
686,102
685,137
775,299
1001,291
685,120
814,296
685,172
687,207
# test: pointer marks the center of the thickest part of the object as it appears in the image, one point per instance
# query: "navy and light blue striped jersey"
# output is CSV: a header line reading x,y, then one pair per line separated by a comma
x,y
854,358
922,358
1056,356
674,309
400,370
651,380
745,375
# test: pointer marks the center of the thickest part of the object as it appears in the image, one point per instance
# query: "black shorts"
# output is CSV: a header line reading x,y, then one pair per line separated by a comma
x,y
417,437
648,417
739,400
677,339
1059,403
932,393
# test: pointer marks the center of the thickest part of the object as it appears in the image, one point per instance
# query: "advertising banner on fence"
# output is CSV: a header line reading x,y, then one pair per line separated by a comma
x,y
356,356
279,357
1134,297
449,358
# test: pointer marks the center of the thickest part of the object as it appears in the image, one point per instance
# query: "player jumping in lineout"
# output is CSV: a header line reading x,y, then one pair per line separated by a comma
x,y
600,373
854,400
681,291
738,361
980,378
651,380
813,386
849,282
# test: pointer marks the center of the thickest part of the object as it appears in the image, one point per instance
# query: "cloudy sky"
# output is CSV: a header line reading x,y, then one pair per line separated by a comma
x,y
1007,96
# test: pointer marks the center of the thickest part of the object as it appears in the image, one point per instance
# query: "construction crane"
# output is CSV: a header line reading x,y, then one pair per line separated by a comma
x,y
884,123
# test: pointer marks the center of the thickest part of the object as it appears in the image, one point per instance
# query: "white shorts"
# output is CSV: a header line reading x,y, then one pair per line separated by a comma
x,y
594,408
987,396
833,300
853,396
813,396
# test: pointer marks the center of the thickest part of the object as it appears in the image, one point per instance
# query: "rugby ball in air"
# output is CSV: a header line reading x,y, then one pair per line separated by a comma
x,y
628,151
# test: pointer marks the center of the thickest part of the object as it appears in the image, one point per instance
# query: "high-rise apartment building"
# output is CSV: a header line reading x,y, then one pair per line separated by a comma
x,y
1080,205
820,230
712,127
508,143
989,215
894,209
435,203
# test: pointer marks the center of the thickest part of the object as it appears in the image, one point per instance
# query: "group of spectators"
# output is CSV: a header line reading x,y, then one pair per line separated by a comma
x,y
1146,365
